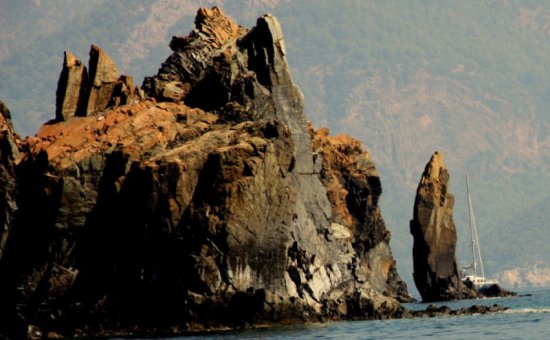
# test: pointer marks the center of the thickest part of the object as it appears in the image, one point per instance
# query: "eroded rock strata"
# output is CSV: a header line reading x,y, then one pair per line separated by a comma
x,y
209,204
435,269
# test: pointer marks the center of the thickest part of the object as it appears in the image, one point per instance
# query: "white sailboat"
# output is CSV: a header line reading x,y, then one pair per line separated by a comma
x,y
470,273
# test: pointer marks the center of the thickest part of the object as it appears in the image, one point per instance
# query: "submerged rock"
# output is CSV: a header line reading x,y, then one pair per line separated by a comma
x,y
435,270
495,290
434,311
208,205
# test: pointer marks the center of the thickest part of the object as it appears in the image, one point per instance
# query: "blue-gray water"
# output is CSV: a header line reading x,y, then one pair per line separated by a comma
x,y
528,318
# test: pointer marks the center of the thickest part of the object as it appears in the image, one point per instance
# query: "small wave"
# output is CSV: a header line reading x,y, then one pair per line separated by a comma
x,y
527,310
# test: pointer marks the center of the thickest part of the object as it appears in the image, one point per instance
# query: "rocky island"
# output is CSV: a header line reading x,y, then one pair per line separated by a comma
x,y
436,273
201,200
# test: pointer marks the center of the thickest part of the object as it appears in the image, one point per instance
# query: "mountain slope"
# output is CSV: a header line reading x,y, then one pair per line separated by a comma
x,y
467,78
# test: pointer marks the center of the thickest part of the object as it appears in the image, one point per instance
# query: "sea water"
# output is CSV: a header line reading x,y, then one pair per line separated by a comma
x,y
528,317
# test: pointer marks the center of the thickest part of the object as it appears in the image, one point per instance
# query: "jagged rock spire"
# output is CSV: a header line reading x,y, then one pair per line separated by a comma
x,y
434,232
71,88
212,30
80,93
199,69
103,77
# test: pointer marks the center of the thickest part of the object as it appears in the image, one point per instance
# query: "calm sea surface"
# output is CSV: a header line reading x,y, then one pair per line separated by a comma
x,y
528,318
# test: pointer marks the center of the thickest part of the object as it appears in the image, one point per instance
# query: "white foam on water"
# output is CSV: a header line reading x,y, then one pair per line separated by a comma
x,y
527,310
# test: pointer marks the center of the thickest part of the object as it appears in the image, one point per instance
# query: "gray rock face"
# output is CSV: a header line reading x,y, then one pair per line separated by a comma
x,y
433,229
202,207
103,78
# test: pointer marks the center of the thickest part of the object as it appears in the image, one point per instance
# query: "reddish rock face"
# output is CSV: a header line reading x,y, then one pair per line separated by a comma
x,y
433,229
353,189
209,204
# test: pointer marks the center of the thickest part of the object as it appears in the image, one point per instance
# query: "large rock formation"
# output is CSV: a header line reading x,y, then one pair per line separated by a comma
x,y
208,205
435,270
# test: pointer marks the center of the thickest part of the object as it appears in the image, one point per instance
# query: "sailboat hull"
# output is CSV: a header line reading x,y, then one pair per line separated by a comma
x,y
479,282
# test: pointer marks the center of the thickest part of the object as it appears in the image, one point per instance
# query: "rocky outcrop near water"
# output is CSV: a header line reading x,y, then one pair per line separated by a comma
x,y
207,204
354,188
435,268
444,311
494,290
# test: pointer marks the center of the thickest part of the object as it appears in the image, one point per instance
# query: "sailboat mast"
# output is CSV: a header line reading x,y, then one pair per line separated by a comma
x,y
472,225
473,229
477,247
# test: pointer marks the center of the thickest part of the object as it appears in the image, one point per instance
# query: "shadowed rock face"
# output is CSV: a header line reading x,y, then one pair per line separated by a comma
x,y
433,229
207,205
9,151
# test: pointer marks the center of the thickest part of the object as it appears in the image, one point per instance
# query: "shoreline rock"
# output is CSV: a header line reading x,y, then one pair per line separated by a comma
x,y
435,269
434,311
495,290
436,272
205,203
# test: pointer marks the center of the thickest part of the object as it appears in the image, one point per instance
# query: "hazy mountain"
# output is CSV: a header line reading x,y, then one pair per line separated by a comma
x,y
469,78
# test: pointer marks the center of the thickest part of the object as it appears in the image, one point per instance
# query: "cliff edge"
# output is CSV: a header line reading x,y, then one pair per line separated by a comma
x,y
200,201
